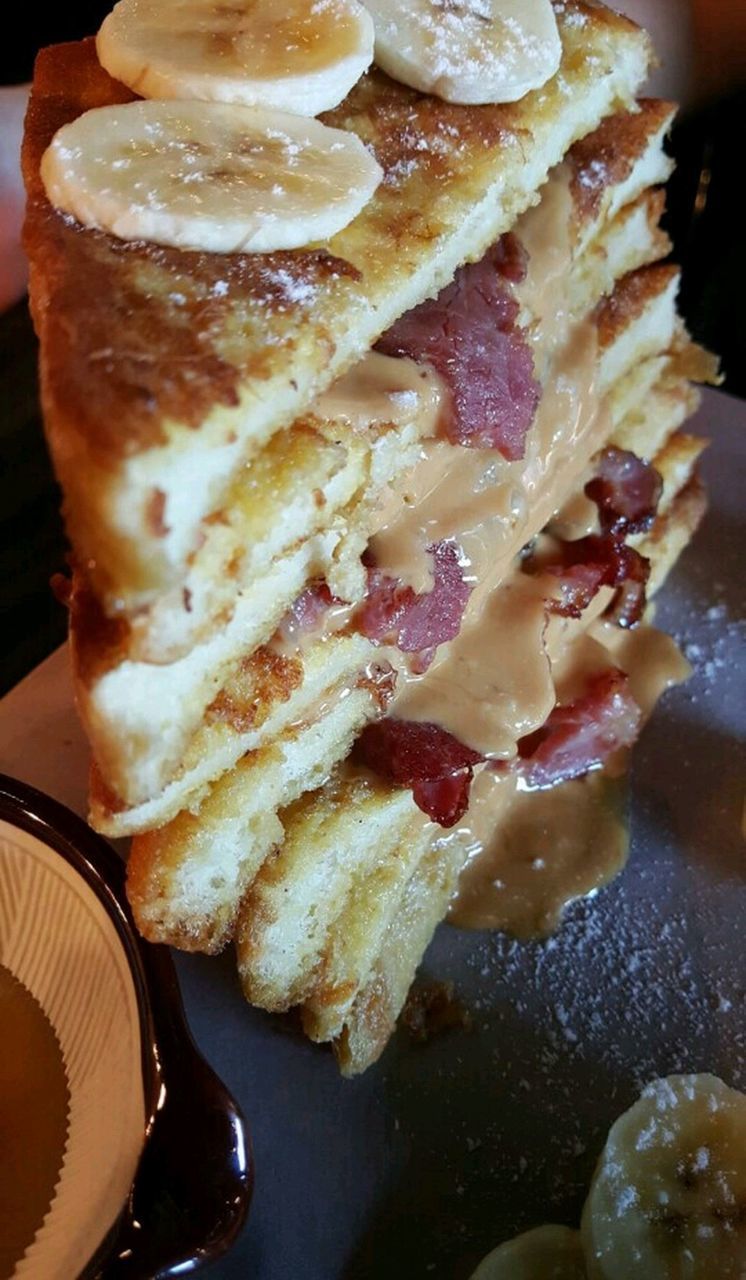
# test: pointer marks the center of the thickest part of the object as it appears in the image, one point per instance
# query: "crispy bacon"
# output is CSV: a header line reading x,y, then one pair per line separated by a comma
x,y
581,735
626,491
444,800
510,258
437,767
310,606
584,566
628,605
307,612
469,334
417,622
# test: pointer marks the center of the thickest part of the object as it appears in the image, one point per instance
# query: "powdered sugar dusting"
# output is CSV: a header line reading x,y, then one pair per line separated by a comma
x,y
710,647
294,291
468,51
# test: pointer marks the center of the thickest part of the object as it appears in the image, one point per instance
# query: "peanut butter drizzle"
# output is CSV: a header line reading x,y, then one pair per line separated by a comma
x,y
530,853
491,508
385,389
652,660
539,850
496,684
486,504
482,687
34,1101
577,518
547,233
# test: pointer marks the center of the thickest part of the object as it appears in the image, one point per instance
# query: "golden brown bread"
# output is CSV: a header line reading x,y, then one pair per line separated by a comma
x,y
162,369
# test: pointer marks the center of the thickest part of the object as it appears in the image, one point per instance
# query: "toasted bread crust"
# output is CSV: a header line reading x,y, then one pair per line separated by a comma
x,y
632,294
134,333
605,157
262,680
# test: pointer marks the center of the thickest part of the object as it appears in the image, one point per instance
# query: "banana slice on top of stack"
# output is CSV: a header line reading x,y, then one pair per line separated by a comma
x,y
216,163
297,56
221,156
468,51
208,175
667,1200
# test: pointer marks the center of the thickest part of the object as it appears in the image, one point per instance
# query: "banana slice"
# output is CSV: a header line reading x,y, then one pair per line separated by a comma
x,y
468,51
208,176
668,1198
301,56
547,1253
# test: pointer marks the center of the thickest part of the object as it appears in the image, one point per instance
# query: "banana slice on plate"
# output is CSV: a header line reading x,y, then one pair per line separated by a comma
x,y
208,176
470,51
547,1253
668,1198
300,56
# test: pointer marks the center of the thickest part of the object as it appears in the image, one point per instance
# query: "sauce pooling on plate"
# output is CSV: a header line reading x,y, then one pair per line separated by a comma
x,y
34,1102
549,848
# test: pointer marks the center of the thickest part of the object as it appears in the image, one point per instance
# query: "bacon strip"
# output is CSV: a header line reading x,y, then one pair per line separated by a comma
x,y
309,607
626,491
628,605
437,767
469,334
417,622
584,566
582,735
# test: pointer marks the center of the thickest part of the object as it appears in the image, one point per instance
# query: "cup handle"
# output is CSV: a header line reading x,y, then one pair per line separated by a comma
x,y
193,1185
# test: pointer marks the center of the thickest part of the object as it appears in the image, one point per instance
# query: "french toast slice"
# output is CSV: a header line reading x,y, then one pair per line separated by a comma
x,y
301,482
162,369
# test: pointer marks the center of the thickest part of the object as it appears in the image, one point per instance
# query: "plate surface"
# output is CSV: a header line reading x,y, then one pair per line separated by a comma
x,y
440,1151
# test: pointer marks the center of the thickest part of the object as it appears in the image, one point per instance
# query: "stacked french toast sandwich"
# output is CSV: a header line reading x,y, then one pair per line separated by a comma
x,y
368,429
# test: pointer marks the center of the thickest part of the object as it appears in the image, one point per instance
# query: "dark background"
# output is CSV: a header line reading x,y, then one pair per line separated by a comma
x,y
705,219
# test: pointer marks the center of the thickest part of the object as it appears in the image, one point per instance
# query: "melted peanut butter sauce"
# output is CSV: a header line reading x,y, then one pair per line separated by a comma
x,y
387,389
576,518
491,508
34,1101
495,685
474,496
530,853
